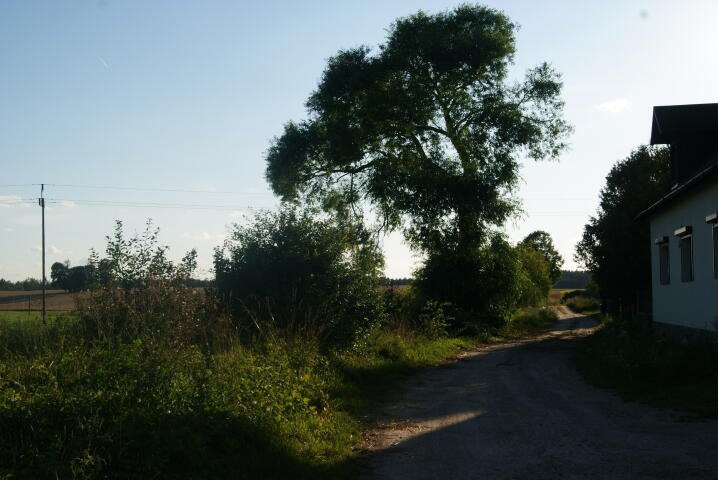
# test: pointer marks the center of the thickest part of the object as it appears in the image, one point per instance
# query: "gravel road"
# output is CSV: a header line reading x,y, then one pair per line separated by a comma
x,y
520,410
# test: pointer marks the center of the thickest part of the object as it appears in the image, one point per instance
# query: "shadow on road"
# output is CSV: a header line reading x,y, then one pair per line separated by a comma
x,y
521,410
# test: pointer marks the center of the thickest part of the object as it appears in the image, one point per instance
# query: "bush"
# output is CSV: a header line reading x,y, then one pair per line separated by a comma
x,y
287,270
482,283
529,320
144,296
579,301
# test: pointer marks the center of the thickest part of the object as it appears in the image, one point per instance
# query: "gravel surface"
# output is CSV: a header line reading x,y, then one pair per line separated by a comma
x,y
521,410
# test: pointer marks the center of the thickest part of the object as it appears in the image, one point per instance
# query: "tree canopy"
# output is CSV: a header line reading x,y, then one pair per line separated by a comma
x,y
426,129
543,243
615,246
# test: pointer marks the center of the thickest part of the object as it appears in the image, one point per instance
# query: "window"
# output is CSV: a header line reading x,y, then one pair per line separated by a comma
x,y
665,263
685,244
712,219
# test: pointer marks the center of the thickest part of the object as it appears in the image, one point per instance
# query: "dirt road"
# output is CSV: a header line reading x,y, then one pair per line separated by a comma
x,y
521,410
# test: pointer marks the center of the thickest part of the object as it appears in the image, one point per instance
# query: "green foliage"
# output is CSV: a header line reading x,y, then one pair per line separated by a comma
x,y
543,243
647,366
143,295
289,270
529,320
573,279
130,262
490,289
428,130
433,319
615,246
25,285
581,301
59,272
535,280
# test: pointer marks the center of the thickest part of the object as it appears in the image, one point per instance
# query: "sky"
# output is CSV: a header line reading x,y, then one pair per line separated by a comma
x,y
154,97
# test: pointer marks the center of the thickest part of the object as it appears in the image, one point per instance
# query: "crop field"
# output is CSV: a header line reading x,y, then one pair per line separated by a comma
x,y
32,300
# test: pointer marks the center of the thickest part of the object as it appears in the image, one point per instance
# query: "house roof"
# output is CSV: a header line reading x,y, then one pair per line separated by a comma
x,y
681,189
670,121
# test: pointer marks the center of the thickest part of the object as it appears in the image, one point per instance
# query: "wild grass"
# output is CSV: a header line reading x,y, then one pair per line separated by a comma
x,y
73,404
581,302
645,366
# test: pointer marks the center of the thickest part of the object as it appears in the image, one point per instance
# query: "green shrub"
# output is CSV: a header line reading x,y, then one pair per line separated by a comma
x,y
290,270
581,303
529,320
489,287
535,279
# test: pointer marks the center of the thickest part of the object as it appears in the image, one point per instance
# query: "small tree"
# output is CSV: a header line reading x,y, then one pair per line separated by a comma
x,y
536,281
542,242
142,294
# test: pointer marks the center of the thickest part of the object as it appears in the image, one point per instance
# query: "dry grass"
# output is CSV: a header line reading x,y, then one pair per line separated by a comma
x,y
14,293
556,294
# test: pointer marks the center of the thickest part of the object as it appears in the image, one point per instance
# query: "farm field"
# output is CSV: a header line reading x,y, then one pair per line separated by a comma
x,y
32,300
555,295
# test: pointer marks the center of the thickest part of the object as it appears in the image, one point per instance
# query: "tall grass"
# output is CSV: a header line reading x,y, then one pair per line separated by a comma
x,y
163,392
647,366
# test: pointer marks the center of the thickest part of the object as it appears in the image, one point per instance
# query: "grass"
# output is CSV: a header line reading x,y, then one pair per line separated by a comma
x,y
278,408
556,294
647,367
13,316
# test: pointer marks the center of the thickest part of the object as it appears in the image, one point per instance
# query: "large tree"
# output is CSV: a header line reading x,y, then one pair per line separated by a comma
x,y
426,129
615,247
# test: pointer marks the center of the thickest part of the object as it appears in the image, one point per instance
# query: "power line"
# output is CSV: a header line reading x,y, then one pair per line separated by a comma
x,y
153,189
121,203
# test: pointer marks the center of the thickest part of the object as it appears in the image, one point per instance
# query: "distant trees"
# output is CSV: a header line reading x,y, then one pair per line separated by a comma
x,y
427,131
22,285
615,246
72,279
542,242
573,279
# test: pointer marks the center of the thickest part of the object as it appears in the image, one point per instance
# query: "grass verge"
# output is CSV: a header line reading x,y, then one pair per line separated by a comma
x,y
70,407
647,367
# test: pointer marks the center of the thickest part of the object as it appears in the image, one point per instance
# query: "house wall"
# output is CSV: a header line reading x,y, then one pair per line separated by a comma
x,y
687,304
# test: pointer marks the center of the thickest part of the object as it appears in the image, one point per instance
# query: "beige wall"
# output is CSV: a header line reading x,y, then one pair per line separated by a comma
x,y
691,304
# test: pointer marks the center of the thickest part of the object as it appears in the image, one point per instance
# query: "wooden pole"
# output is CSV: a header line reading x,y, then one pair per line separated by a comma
x,y
44,280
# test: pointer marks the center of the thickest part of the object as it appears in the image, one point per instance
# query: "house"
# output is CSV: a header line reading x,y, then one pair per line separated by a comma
x,y
684,222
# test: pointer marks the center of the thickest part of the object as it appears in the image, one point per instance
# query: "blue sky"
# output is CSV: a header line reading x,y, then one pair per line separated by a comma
x,y
187,95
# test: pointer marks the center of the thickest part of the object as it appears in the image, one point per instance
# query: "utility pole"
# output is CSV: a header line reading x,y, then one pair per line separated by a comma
x,y
44,280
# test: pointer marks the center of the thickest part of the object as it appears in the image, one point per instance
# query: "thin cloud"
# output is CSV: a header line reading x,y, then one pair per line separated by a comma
x,y
7,201
54,250
67,204
198,237
613,106
237,215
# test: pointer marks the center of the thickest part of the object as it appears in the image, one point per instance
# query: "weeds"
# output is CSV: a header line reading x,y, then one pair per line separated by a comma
x,y
647,366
